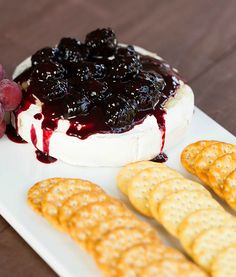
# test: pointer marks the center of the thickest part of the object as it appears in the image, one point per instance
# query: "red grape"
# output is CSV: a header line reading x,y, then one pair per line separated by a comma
x,y
1,112
2,128
2,73
10,94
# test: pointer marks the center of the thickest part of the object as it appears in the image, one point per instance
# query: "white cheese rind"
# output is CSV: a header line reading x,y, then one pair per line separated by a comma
x,y
143,142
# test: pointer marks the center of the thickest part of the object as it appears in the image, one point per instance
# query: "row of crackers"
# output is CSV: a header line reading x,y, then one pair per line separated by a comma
x,y
120,243
214,163
187,211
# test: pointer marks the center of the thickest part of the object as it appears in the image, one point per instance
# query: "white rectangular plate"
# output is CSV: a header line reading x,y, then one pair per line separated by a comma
x,y
20,170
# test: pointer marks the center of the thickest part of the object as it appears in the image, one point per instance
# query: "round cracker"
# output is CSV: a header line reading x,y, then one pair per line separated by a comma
x,y
225,263
144,182
229,189
207,157
133,260
199,221
190,152
210,243
60,192
76,202
109,249
177,206
219,170
37,192
82,223
129,171
117,222
170,268
168,187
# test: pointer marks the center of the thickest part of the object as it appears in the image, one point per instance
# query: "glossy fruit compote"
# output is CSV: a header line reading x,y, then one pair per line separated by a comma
x,y
100,103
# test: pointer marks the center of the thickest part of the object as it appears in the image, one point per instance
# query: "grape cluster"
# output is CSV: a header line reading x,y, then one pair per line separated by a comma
x,y
96,72
10,98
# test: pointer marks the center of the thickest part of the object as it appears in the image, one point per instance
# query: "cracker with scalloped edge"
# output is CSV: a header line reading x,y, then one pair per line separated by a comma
x,y
116,222
177,206
225,263
144,182
83,223
210,243
76,202
168,187
207,157
229,189
170,268
202,220
134,259
219,170
109,249
59,193
190,152
130,170
37,192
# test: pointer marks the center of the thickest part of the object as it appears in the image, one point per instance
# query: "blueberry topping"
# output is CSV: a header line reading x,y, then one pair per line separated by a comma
x,y
90,70
54,89
48,70
146,90
126,52
119,114
124,68
53,109
75,82
72,50
98,85
102,42
76,104
49,90
156,79
95,91
44,55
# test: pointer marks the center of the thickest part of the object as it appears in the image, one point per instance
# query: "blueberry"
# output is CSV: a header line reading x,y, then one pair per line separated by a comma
x,y
48,70
71,68
55,89
119,114
99,71
156,79
76,104
50,90
125,68
126,52
101,42
45,54
75,82
95,91
117,87
90,70
82,71
146,90
72,50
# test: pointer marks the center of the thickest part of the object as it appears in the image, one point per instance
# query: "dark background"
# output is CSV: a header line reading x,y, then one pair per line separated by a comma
x,y
196,36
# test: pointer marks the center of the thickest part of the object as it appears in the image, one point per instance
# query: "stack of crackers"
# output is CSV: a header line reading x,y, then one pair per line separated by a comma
x,y
214,163
121,244
187,210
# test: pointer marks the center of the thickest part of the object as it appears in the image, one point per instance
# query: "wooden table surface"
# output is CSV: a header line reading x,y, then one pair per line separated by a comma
x,y
197,37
